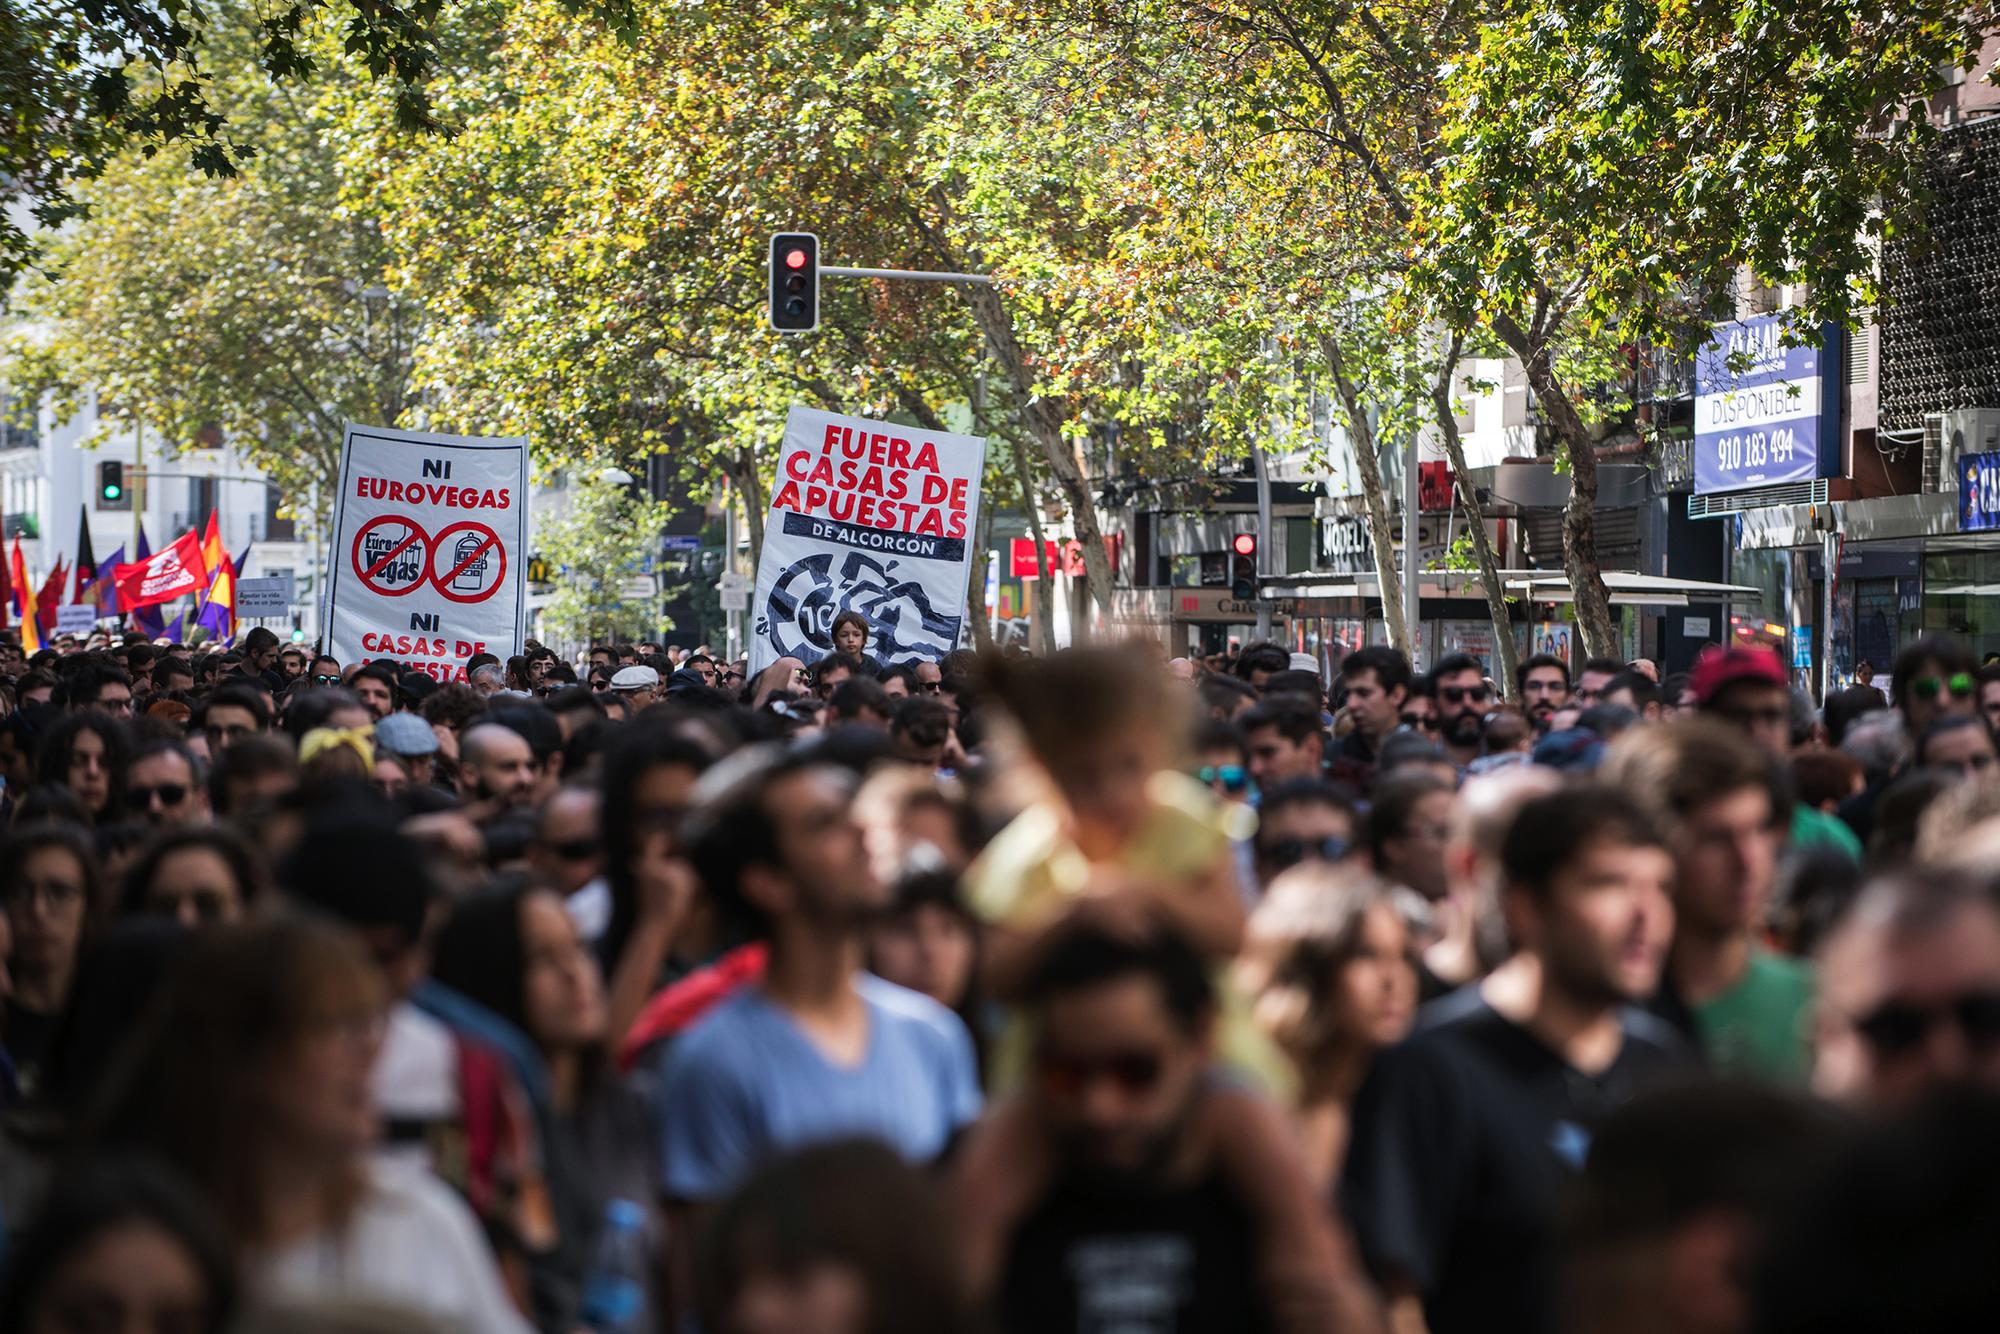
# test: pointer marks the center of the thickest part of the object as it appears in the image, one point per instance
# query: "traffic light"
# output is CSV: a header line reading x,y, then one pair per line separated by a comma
x,y
794,282
111,493
1243,567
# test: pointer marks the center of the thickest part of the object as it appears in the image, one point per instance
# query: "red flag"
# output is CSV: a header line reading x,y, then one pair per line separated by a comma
x,y
163,576
51,597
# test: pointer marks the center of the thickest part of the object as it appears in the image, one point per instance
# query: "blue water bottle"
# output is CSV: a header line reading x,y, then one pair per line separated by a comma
x,y
614,1289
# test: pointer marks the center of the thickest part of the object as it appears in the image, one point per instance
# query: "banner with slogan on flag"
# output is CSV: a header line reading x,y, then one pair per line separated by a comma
x,y
430,541
872,518
168,573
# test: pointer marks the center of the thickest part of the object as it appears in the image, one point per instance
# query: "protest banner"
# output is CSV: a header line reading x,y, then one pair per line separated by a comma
x,y
430,540
867,517
77,618
258,599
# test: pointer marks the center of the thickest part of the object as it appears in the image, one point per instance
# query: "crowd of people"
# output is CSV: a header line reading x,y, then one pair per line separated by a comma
x,y
1096,992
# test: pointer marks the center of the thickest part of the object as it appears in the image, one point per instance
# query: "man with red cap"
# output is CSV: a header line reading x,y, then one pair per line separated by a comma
x,y
1748,689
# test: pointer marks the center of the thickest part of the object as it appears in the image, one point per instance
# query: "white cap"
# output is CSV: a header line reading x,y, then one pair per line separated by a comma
x,y
1304,662
635,678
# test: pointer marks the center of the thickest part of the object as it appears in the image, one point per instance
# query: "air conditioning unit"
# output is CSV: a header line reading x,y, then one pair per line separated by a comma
x,y
1950,436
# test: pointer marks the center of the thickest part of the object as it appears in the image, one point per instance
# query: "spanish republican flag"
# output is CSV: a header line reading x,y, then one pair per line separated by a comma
x,y
24,601
211,544
218,610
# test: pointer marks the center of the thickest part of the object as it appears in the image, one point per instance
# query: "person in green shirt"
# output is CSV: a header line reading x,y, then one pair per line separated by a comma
x,y
1721,797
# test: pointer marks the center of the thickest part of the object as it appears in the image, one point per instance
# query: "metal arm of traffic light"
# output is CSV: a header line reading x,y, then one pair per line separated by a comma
x,y
906,275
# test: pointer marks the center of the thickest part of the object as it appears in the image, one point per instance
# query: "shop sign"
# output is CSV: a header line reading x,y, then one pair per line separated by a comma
x,y
1979,493
1761,420
1205,604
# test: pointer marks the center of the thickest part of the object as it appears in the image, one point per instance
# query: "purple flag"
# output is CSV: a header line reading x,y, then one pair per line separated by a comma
x,y
147,620
103,588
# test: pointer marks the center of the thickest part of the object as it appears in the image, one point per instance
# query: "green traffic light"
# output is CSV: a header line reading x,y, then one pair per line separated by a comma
x,y
113,492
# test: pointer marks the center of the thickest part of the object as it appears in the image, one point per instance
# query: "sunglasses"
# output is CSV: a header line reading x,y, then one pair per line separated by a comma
x,y
1459,694
1959,684
322,679
170,794
1233,777
600,686
1070,1077
1422,721
930,687
1896,1028
576,849
1285,853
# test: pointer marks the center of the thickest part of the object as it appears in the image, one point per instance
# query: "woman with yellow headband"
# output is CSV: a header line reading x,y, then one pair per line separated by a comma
x,y
337,752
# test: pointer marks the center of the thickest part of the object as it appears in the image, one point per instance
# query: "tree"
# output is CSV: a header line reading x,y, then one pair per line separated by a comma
x,y
82,83
1605,172
253,303
605,533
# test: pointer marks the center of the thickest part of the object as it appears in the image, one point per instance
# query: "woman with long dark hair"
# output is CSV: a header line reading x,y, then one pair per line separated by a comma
x,y
514,950
87,754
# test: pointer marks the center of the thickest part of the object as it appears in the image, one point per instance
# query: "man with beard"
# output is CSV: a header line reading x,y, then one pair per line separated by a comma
x,y
497,771
818,1049
1543,683
1463,697
1465,1136
1131,1188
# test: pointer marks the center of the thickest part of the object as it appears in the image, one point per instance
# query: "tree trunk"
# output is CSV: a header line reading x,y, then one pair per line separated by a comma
x,y
1043,612
1375,504
1045,423
742,471
1594,621
975,592
1504,657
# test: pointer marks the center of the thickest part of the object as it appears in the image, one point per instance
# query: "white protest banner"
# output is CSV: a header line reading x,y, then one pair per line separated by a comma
x,y
430,541
269,596
867,517
77,618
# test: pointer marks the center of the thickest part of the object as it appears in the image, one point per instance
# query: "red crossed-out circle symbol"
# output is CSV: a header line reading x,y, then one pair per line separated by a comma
x,y
466,559
384,559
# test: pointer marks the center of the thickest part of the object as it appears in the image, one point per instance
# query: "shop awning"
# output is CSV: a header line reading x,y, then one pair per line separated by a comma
x,y
1627,589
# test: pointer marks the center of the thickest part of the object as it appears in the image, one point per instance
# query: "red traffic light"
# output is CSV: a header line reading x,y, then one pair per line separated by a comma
x,y
1244,544
796,258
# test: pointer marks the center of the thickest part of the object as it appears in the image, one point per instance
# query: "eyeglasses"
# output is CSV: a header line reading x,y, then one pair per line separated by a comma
x,y
169,794
1959,684
575,849
1233,777
1131,1073
729,677
55,893
1422,721
1285,853
1459,694
1896,1028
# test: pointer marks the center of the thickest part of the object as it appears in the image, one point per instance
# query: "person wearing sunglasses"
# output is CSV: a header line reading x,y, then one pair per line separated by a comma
x,y
1463,697
1126,1145
1222,763
1932,677
1305,820
1909,997
163,785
